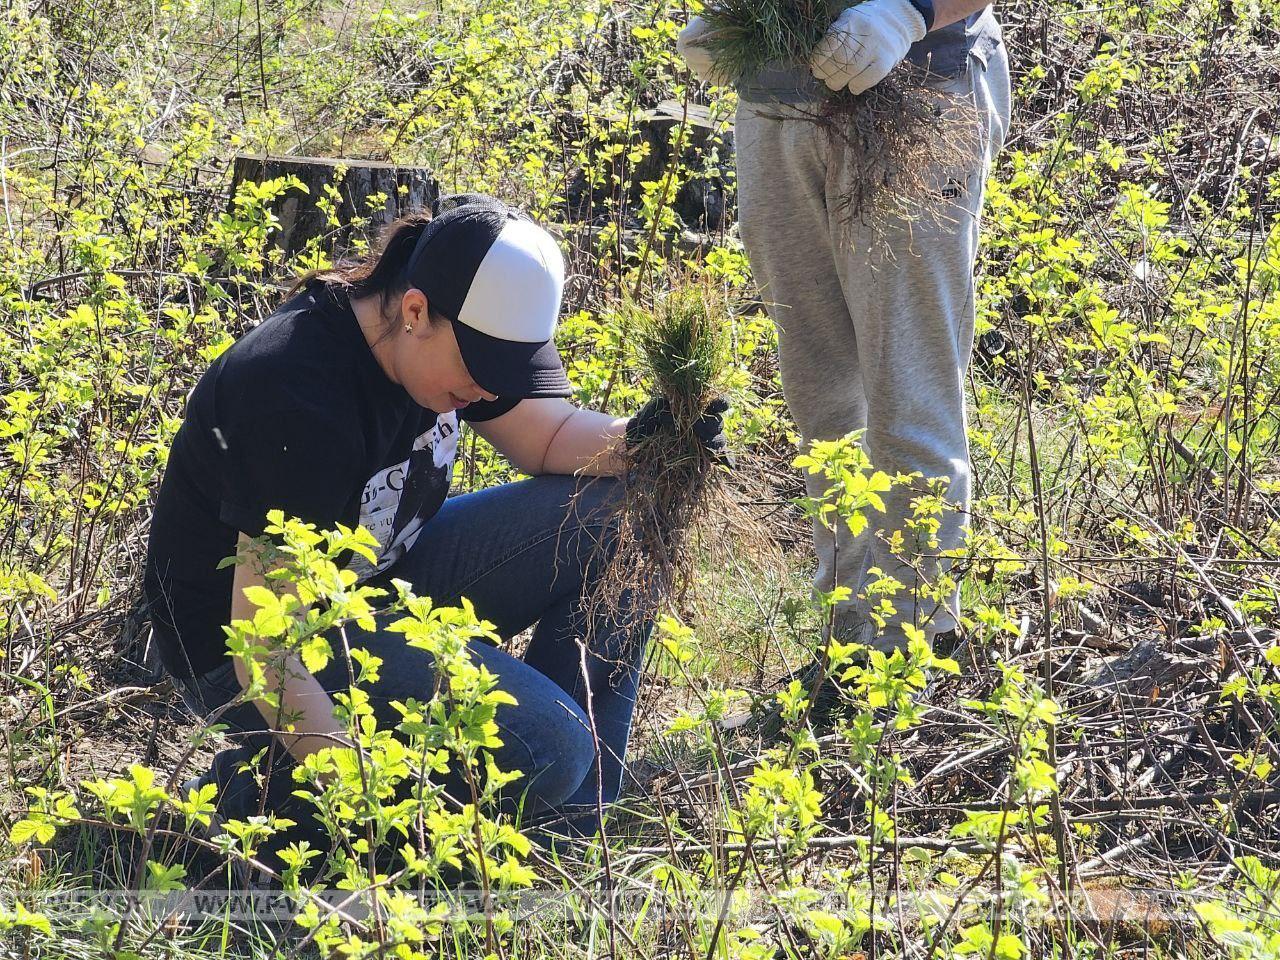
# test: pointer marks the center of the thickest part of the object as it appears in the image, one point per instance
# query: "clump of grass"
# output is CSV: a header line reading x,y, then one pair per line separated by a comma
x,y
894,136
748,35
683,345
671,483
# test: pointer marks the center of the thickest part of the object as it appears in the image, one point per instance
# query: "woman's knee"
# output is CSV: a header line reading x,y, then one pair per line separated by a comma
x,y
588,503
555,761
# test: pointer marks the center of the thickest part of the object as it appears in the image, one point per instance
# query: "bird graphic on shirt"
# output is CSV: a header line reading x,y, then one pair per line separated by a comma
x,y
425,486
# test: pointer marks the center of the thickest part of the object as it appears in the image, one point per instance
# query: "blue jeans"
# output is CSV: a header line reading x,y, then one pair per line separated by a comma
x,y
523,553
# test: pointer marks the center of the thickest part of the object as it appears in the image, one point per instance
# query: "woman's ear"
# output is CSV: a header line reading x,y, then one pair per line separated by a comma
x,y
415,312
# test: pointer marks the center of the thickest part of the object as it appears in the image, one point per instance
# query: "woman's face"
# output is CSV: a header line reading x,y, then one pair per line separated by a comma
x,y
427,362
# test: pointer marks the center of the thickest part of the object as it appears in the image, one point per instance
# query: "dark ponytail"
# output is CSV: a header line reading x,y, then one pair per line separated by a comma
x,y
380,271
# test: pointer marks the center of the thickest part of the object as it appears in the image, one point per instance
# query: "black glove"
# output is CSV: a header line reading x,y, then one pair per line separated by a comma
x,y
655,415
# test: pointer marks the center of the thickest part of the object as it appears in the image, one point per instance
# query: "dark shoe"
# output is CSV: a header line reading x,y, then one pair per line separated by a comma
x,y
945,643
765,721
243,875
239,797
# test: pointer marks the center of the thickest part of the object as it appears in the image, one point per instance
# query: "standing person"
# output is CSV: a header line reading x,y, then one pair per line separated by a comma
x,y
344,406
875,324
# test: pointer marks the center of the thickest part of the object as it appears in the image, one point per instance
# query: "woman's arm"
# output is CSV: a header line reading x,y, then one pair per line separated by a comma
x,y
301,695
554,436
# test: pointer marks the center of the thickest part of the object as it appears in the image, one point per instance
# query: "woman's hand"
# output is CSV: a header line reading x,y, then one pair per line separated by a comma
x,y
303,700
324,778
656,415
553,436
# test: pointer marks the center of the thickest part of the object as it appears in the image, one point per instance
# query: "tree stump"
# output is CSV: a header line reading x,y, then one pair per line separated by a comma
x,y
702,203
369,196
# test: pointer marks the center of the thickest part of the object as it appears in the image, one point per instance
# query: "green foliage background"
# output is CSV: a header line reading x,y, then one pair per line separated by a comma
x,y
1124,403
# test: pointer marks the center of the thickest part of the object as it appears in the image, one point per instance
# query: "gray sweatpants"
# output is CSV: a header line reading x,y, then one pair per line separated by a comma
x,y
875,331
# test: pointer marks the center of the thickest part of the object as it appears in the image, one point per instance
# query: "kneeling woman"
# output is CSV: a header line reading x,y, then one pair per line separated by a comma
x,y
343,406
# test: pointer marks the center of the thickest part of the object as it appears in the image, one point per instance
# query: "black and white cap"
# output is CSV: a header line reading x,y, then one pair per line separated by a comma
x,y
499,277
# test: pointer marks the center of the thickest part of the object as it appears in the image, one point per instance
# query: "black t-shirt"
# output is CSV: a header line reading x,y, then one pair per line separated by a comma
x,y
296,415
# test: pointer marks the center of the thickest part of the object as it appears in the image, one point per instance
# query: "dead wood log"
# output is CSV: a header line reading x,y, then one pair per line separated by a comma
x,y
1150,667
369,195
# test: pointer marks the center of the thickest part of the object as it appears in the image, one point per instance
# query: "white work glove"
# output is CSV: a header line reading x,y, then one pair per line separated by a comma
x,y
699,58
865,43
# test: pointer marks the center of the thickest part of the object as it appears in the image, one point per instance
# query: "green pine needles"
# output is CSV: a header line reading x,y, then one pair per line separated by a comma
x,y
748,35
683,344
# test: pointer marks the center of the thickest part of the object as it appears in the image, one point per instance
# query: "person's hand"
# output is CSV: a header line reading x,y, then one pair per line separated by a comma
x,y
865,43
656,415
690,44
